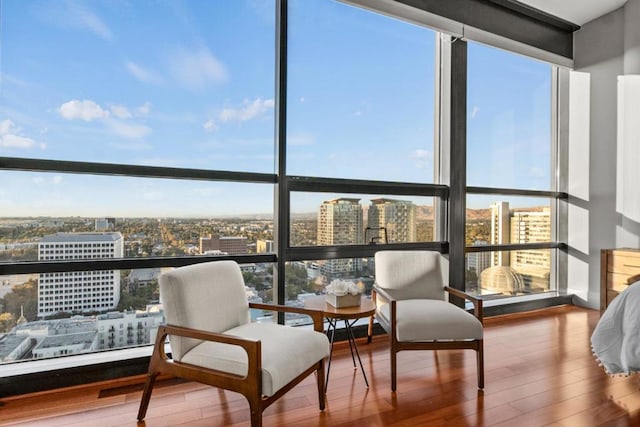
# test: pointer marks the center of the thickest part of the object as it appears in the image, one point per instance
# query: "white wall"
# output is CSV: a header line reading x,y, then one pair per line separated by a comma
x,y
603,50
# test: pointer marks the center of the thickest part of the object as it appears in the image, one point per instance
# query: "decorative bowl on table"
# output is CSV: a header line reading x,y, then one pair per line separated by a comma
x,y
343,293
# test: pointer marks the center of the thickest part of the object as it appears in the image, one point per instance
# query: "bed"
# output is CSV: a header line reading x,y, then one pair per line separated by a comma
x,y
615,341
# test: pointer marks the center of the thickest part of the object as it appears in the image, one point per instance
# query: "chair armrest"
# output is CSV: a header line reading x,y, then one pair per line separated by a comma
x,y
250,346
316,315
181,331
378,292
477,302
384,294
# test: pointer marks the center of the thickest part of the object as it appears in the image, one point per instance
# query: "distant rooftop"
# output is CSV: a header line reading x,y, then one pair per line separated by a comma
x,y
9,343
83,338
82,237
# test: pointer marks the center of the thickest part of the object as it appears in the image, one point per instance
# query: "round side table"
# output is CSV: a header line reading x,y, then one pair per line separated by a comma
x,y
349,315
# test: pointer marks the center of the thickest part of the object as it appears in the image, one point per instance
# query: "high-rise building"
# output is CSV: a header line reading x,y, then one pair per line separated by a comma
x,y
79,291
397,217
500,231
522,226
532,227
340,222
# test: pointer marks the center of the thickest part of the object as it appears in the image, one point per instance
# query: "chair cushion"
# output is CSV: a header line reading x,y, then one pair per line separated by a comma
x,y
286,352
432,320
210,296
411,274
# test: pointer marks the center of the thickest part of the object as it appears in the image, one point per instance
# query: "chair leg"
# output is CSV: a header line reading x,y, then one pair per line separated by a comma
x,y
146,395
480,360
256,411
320,382
393,369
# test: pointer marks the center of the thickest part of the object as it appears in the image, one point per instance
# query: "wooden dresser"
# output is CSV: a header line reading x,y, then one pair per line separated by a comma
x,y
617,266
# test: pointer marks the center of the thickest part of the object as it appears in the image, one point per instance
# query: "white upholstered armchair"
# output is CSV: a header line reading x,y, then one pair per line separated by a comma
x,y
213,341
410,296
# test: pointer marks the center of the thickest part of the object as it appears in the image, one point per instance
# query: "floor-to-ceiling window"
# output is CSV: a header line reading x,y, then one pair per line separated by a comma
x,y
134,138
510,231
360,125
140,137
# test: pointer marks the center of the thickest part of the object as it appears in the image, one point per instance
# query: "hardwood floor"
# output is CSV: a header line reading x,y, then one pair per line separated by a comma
x,y
539,371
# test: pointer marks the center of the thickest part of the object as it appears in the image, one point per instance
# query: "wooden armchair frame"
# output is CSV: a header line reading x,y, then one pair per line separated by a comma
x,y
250,385
397,346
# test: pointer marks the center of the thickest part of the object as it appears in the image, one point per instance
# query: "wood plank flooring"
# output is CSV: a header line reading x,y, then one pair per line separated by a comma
x,y
539,372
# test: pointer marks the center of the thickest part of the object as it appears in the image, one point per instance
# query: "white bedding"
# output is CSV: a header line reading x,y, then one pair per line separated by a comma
x,y
616,339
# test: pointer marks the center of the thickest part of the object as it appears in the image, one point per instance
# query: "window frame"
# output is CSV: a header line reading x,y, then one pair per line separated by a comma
x,y
450,193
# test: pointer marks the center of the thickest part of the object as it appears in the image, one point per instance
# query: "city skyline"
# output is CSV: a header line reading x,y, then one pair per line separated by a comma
x,y
73,86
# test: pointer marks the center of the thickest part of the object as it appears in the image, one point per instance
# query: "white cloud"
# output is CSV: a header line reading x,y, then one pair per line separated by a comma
x,y
210,125
144,109
120,111
196,69
56,179
9,137
474,111
422,158
81,17
144,75
15,141
302,99
6,126
129,130
86,110
249,110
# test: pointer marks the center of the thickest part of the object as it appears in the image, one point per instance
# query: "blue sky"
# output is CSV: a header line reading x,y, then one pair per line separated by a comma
x,y
191,84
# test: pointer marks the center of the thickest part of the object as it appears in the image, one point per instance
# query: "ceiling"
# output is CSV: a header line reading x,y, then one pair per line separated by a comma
x,y
577,11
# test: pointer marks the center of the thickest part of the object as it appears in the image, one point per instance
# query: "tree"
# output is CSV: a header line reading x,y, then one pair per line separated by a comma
x,y
7,322
24,295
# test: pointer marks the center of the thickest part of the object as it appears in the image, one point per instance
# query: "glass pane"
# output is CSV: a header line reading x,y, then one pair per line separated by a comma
x,y
52,215
59,314
500,220
360,94
181,84
509,273
508,120
325,219
304,279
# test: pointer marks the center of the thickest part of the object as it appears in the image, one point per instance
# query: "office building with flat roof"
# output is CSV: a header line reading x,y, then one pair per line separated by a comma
x,y
79,291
